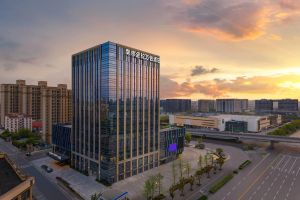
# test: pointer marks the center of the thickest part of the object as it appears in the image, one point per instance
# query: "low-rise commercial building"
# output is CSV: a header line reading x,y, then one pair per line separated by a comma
x,y
254,123
61,141
218,122
171,143
191,121
13,184
236,126
14,122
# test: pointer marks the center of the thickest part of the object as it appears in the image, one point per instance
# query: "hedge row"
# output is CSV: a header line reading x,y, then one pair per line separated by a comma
x,y
221,183
244,164
287,129
203,198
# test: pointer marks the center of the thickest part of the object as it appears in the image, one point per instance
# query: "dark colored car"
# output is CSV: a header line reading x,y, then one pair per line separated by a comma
x,y
47,169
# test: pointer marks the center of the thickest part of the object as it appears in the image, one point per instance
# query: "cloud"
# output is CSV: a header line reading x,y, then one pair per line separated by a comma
x,y
290,4
200,70
14,54
255,86
231,19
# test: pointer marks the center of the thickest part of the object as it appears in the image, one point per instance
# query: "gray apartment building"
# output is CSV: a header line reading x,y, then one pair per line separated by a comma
x,y
206,105
231,105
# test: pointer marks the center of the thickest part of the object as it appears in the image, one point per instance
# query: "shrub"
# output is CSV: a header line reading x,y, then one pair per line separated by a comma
x,y
235,171
200,146
159,197
203,198
287,129
221,183
244,164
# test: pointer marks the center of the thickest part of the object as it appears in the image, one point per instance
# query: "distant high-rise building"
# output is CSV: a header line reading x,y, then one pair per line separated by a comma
x,y
178,105
47,104
264,105
162,105
205,105
194,106
231,105
288,105
115,131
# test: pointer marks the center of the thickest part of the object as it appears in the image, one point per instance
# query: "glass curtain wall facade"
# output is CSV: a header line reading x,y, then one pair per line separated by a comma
x,y
115,131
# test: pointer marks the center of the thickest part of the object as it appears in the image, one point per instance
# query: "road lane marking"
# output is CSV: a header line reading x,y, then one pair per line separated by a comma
x,y
259,163
292,165
283,167
298,171
279,162
253,183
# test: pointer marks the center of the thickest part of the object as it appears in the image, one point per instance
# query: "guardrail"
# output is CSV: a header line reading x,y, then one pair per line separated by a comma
x,y
247,136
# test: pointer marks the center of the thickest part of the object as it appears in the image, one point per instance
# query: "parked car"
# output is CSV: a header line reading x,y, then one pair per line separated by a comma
x,y
46,168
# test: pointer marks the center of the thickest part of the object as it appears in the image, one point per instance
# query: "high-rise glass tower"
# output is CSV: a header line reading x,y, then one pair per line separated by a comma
x,y
115,131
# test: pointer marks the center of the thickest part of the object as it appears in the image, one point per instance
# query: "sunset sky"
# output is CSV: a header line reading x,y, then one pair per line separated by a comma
x,y
208,48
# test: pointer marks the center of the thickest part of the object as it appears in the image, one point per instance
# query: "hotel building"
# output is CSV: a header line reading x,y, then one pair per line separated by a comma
x,y
115,131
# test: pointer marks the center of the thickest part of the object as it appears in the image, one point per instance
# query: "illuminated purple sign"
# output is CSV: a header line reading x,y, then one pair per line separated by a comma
x,y
172,147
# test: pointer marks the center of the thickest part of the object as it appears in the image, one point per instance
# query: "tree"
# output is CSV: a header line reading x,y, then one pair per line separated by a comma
x,y
198,174
159,178
147,189
200,162
208,168
200,140
96,196
180,164
181,186
219,152
174,172
221,162
187,168
205,159
192,180
188,137
171,192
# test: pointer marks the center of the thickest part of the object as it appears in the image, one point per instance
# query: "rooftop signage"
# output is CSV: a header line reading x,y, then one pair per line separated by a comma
x,y
144,56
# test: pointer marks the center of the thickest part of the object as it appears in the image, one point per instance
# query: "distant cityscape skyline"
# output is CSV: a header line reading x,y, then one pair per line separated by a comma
x,y
248,52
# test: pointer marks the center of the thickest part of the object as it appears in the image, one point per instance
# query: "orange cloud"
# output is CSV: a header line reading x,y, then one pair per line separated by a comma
x,y
282,86
231,19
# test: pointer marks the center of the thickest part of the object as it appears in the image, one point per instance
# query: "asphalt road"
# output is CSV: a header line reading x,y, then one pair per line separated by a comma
x,y
280,181
43,189
275,177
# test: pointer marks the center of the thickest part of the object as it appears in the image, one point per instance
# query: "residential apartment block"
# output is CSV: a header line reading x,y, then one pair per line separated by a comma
x,y
14,122
47,104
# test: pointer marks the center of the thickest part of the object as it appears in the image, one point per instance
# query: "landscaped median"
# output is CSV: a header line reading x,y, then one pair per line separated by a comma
x,y
244,164
221,183
203,198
